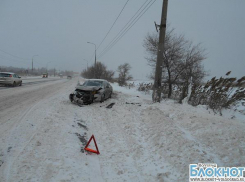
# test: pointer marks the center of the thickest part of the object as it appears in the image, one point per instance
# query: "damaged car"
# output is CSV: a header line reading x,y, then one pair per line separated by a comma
x,y
91,90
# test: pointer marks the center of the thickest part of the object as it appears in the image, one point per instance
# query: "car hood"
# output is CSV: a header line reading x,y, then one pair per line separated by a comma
x,y
88,88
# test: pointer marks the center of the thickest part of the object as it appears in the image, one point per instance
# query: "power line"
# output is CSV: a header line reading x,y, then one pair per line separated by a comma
x,y
125,25
17,61
113,24
125,30
130,19
13,55
4,58
128,26
18,58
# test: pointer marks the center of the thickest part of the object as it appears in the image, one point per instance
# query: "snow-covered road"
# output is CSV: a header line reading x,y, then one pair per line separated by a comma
x,y
32,80
16,109
42,136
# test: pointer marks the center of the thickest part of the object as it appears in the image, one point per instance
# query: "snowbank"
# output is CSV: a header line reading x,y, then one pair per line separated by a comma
x,y
138,140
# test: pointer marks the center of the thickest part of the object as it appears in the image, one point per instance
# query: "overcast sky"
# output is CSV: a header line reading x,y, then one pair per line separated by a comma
x,y
58,31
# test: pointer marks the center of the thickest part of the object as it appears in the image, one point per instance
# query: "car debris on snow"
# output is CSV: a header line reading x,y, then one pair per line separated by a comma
x,y
110,106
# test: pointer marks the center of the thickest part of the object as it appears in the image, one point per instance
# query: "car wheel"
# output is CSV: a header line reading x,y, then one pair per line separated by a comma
x,y
20,84
110,95
14,84
71,97
102,98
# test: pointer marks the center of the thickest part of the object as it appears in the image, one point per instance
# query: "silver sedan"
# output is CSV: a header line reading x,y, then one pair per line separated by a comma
x,y
91,90
105,91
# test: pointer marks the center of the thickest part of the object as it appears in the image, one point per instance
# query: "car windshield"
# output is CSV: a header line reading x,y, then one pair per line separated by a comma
x,y
93,83
4,75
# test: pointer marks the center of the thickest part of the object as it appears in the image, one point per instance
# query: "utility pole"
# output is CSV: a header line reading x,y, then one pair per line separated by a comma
x,y
157,87
32,63
95,56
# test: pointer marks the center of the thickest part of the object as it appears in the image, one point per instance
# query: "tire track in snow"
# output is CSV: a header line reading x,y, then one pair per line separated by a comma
x,y
16,126
199,145
117,137
92,160
11,162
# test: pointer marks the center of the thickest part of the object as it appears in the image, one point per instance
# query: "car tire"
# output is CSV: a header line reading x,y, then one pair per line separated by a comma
x,y
14,84
102,98
20,84
110,95
71,97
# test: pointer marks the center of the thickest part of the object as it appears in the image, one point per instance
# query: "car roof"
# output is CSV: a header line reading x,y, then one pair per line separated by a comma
x,y
8,73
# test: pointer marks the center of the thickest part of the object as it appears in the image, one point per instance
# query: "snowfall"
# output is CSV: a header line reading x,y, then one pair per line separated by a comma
x,y
43,135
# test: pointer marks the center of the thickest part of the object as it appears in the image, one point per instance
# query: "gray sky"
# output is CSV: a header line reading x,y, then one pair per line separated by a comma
x,y
58,31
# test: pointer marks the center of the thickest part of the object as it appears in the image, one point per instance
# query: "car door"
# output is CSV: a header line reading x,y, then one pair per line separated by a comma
x,y
18,80
109,89
106,89
2,78
15,79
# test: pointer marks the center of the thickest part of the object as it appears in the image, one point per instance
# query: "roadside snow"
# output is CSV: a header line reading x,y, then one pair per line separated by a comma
x,y
138,140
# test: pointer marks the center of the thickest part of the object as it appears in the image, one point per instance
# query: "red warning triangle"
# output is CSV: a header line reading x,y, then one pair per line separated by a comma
x,y
92,150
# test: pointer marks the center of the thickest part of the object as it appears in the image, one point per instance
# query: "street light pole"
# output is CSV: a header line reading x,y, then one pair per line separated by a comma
x,y
32,62
94,59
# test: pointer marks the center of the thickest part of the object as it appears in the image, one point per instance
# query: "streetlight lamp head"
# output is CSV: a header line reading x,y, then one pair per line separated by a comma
x,y
34,56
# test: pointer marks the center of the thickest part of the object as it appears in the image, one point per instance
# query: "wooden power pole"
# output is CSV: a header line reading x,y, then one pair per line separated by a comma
x,y
157,88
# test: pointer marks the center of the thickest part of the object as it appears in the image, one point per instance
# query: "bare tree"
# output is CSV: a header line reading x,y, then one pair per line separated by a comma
x,y
124,75
181,60
191,68
101,72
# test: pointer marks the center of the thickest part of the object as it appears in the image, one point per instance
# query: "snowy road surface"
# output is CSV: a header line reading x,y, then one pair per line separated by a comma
x,y
42,136
32,80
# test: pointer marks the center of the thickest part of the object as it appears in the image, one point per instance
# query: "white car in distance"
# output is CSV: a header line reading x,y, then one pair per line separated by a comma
x,y
8,78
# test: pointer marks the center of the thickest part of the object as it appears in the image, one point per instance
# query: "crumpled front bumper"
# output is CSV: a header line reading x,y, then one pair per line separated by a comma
x,y
97,97
85,98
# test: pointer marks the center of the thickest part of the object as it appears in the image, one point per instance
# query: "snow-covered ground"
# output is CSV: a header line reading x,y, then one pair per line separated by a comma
x,y
43,139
